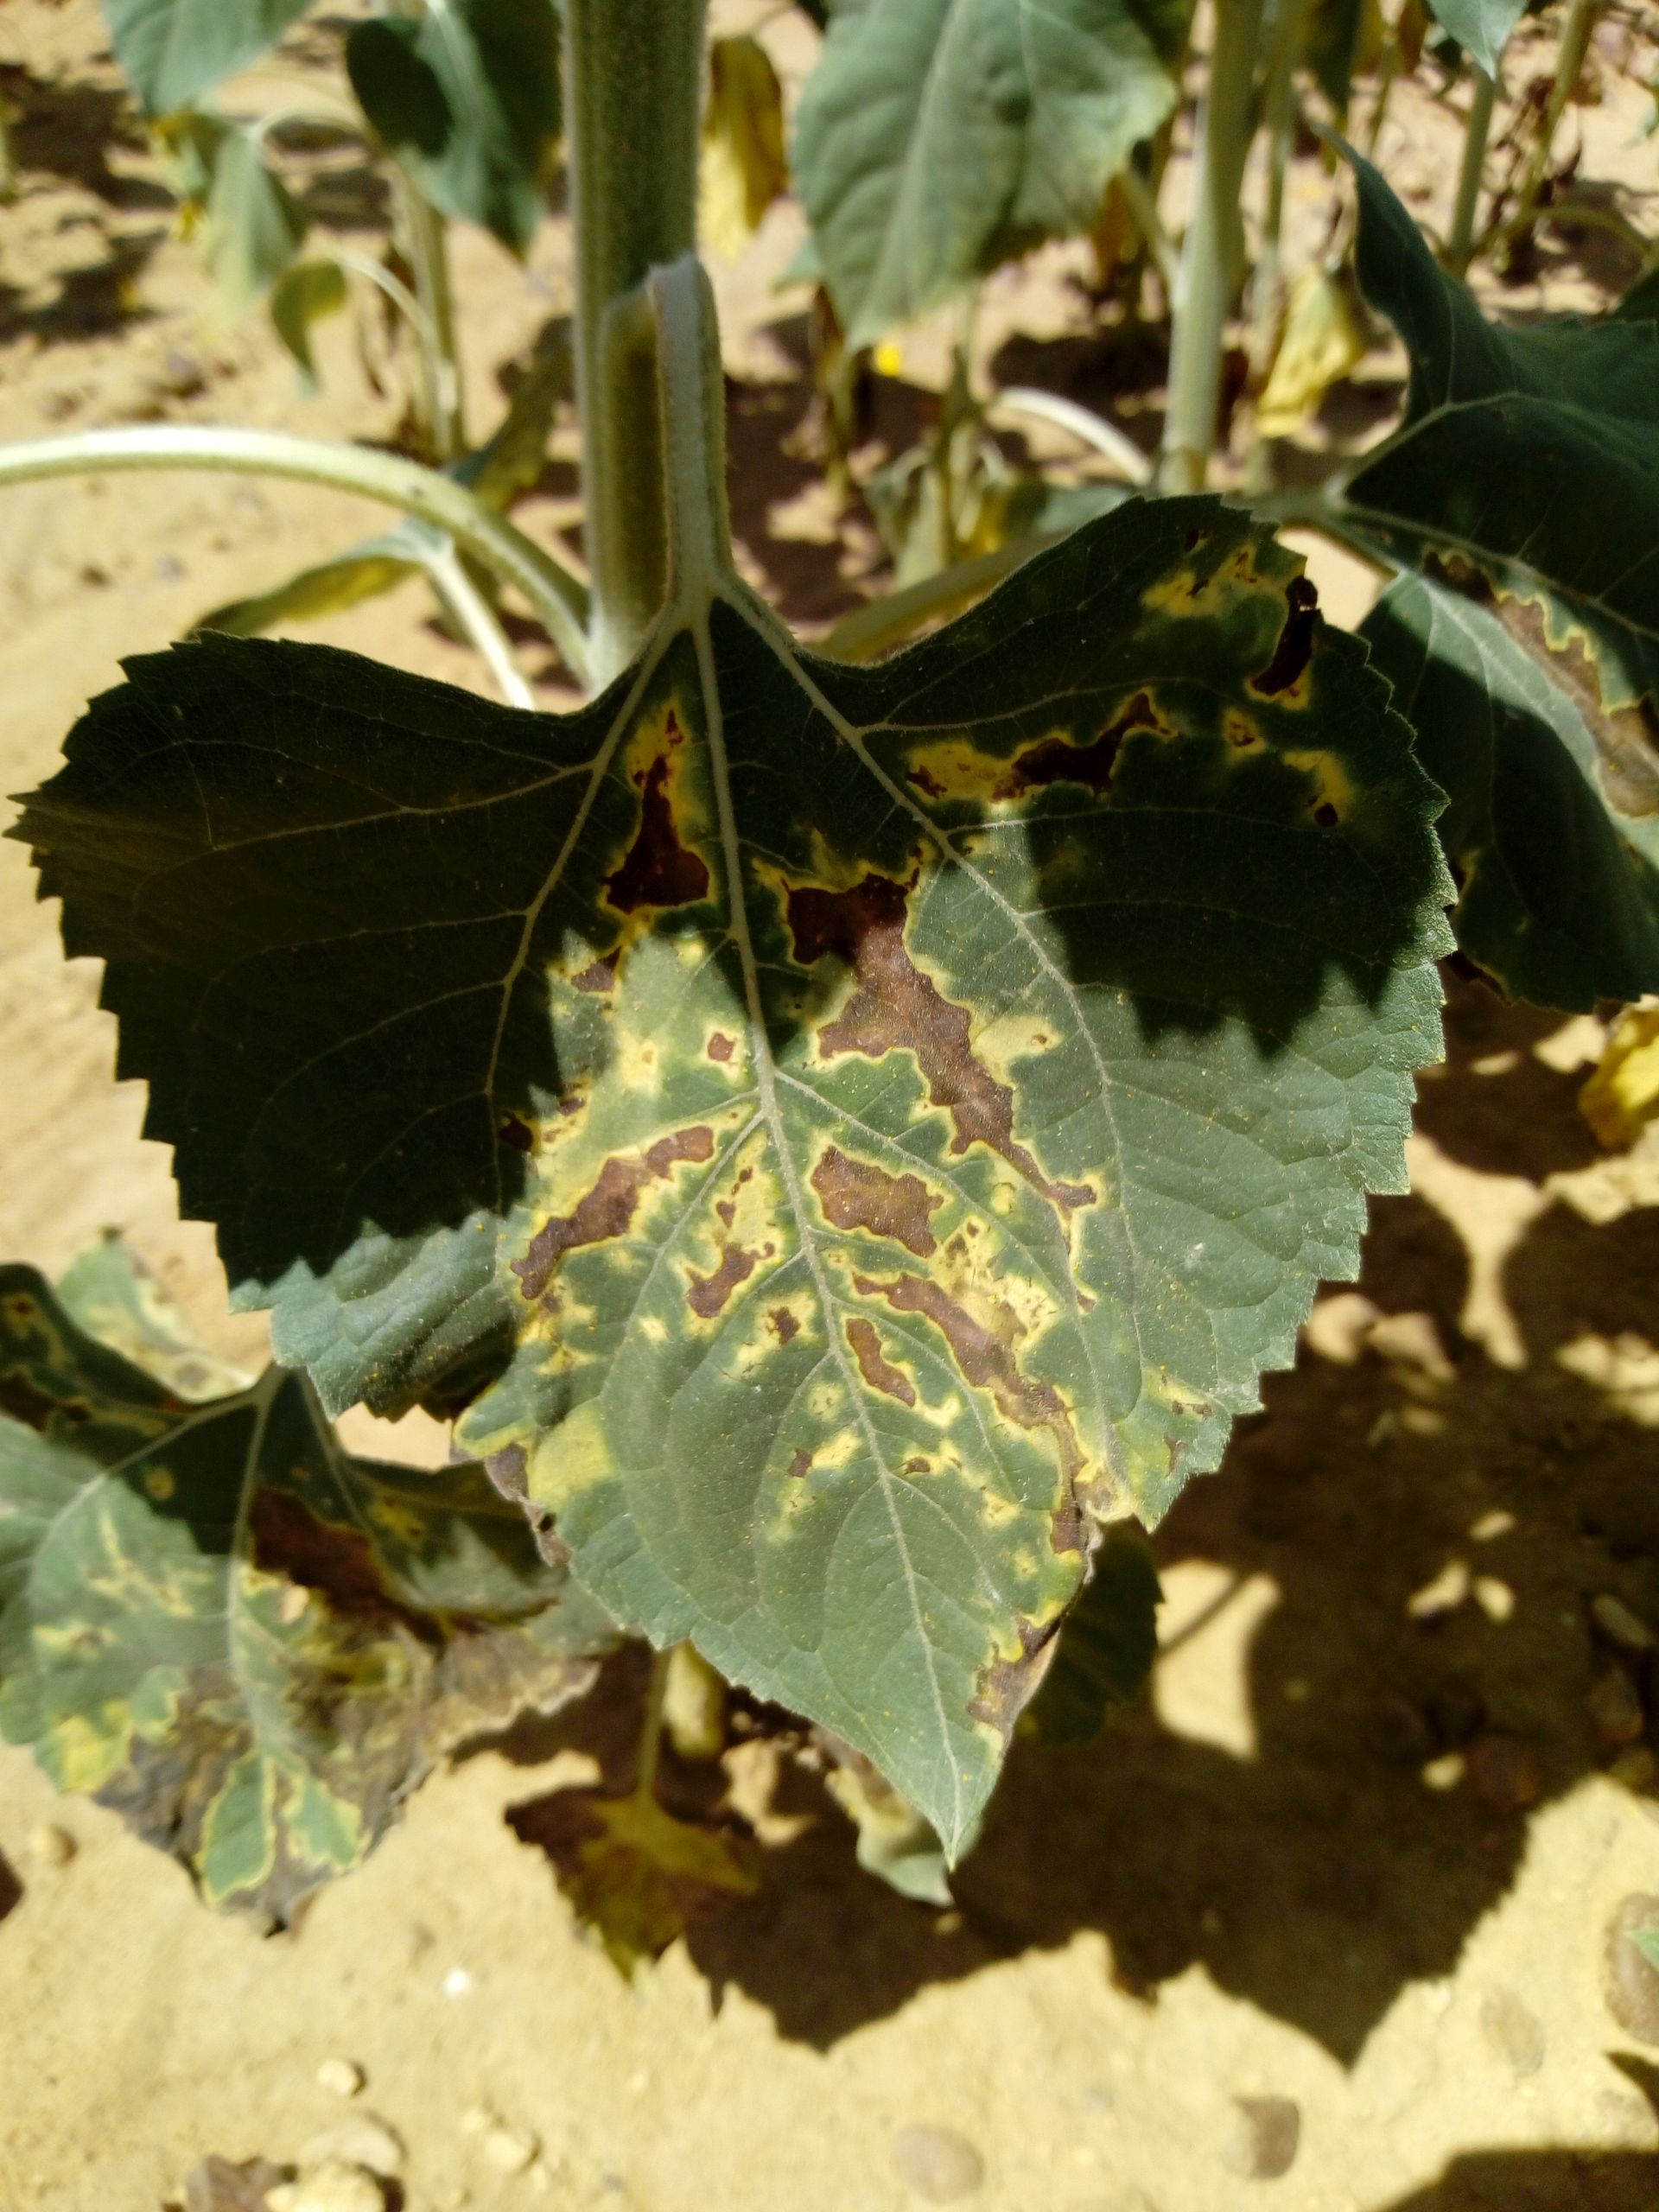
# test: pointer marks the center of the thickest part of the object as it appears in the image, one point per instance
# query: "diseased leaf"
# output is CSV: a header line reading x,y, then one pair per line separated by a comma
x,y
304,295
936,137
378,565
1482,28
742,169
467,97
633,1874
840,1126
1558,886
247,1643
1107,1647
174,51
894,1843
1324,341
112,1296
1533,455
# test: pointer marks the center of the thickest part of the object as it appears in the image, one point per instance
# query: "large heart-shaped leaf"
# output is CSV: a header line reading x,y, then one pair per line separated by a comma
x,y
174,51
1531,453
1558,882
853,1124
467,96
935,137
1526,469
249,1644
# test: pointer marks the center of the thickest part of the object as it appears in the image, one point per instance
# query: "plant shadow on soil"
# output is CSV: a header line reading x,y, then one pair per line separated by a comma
x,y
1320,1876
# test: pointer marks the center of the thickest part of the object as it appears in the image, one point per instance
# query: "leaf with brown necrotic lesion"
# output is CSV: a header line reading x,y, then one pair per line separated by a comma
x,y
842,1133
211,1619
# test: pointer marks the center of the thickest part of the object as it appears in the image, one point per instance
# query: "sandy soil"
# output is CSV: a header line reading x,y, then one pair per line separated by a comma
x,y
1324,1925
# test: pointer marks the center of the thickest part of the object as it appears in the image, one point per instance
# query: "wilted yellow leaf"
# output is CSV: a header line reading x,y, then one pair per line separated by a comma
x,y
743,167
1323,340
1621,1097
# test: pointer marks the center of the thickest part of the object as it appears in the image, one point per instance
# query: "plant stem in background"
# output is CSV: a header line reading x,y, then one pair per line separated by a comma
x,y
1460,242
557,600
472,612
1569,66
650,1732
429,258
1082,422
1210,254
633,92
1268,288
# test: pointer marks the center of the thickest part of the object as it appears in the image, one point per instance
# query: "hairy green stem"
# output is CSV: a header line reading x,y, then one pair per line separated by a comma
x,y
632,93
1210,254
556,598
1461,242
679,303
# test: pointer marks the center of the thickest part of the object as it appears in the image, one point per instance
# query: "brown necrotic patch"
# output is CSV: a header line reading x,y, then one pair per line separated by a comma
x,y
708,1295
1058,760
722,1047
856,1195
660,869
783,1323
598,977
801,1465
985,1358
1295,647
895,1007
875,1366
1004,1687
339,1563
606,1210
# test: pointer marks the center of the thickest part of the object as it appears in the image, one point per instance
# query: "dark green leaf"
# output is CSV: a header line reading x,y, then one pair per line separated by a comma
x,y
857,1122
249,1644
1482,28
1106,1648
173,51
467,97
1558,892
1641,302
1532,454
304,295
937,136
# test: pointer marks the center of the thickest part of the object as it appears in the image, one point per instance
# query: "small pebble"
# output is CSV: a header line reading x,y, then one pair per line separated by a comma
x,y
341,2077
362,2140
1264,2137
1512,2031
510,2150
1620,1625
1615,1708
457,1982
936,2164
1630,1981
50,1845
477,2120
334,2185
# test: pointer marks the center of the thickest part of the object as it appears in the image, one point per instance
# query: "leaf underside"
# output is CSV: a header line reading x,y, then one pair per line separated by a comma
x,y
937,138
173,51
1482,28
844,1130
1526,471
211,1619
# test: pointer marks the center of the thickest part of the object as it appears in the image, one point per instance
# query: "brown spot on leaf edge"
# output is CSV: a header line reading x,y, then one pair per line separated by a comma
x,y
1005,1686
1295,647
